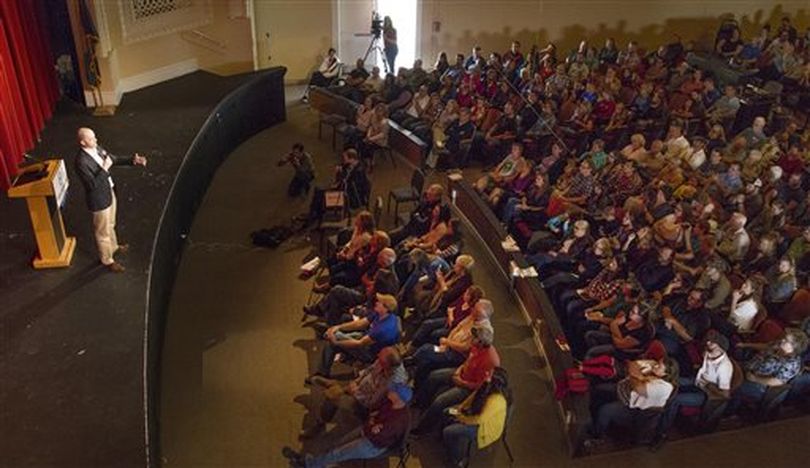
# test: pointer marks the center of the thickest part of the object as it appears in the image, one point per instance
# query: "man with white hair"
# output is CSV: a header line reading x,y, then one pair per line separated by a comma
x,y
337,303
93,165
453,349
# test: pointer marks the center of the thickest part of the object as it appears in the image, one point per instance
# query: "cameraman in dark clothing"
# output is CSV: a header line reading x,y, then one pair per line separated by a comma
x,y
301,162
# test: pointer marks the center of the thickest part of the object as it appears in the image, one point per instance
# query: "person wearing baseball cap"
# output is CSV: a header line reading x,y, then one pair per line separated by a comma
x,y
362,338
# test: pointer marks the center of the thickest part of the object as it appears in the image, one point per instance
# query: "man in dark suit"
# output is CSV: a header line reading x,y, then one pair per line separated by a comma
x,y
93,165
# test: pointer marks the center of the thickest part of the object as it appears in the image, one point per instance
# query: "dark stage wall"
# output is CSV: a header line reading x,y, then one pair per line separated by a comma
x,y
251,108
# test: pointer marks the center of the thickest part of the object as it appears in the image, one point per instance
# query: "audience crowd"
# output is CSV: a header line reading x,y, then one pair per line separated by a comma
x,y
670,232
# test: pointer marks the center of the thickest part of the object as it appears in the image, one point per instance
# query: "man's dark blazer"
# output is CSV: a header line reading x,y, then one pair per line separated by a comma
x,y
95,179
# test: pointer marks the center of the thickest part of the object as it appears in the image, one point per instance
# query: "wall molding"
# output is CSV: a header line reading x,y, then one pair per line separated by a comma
x,y
142,80
158,75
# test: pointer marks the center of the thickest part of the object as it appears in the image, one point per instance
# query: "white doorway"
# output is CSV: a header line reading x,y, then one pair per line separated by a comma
x,y
405,17
353,17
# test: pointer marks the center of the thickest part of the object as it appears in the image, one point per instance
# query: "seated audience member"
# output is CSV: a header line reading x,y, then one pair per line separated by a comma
x,y
432,329
715,285
326,73
344,265
504,172
335,305
383,429
439,227
377,134
711,386
627,336
448,387
480,420
524,213
374,83
350,178
683,322
743,310
780,284
734,240
453,349
362,119
363,338
648,386
367,392
755,134
774,366
565,253
498,136
571,195
420,220
460,134
429,297
355,81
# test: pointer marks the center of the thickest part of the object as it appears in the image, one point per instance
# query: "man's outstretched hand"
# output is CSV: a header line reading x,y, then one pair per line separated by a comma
x,y
139,160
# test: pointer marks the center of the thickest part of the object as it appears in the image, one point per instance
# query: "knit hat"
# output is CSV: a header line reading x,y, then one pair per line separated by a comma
x,y
718,338
403,391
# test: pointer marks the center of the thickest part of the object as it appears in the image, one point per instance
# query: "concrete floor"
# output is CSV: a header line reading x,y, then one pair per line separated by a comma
x,y
235,355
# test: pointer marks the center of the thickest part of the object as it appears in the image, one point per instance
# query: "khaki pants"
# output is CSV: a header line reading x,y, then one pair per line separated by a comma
x,y
104,228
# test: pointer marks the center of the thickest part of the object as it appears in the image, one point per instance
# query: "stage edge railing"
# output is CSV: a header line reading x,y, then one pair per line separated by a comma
x,y
249,109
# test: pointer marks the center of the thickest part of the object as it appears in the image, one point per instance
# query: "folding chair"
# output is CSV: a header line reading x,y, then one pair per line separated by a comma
x,y
412,193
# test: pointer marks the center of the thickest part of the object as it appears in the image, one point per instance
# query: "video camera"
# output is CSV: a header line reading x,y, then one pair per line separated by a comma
x,y
376,25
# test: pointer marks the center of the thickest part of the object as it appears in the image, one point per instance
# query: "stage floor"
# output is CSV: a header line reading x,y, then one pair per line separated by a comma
x,y
71,350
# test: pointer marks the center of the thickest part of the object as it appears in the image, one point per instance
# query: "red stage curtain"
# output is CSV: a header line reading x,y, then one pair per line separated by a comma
x,y
28,91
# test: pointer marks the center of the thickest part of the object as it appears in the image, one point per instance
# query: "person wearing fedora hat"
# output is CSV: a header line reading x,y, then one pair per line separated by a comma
x,y
382,430
467,378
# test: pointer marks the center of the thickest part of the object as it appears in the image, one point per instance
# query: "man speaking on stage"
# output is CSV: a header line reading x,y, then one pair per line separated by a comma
x,y
93,165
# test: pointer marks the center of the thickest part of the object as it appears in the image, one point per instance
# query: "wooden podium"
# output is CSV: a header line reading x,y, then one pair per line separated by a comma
x,y
44,186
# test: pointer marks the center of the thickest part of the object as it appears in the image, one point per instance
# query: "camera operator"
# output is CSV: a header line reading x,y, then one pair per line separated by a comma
x,y
301,162
390,41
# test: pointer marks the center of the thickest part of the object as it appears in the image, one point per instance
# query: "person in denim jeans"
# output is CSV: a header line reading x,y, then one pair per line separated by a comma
x,y
382,430
478,421
776,365
447,387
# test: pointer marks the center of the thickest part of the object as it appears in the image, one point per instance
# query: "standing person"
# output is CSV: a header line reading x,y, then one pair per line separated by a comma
x,y
93,164
390,41
301,162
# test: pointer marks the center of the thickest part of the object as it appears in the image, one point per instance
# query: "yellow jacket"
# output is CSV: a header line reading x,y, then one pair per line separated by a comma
x,y
490,421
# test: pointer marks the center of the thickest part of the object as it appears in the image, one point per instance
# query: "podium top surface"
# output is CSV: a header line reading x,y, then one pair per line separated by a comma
x,y
39,179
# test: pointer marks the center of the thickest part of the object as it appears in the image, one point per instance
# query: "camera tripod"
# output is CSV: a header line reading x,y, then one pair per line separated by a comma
x,y
375,46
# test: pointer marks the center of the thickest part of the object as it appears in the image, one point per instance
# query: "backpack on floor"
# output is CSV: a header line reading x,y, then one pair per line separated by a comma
x,y
270,238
